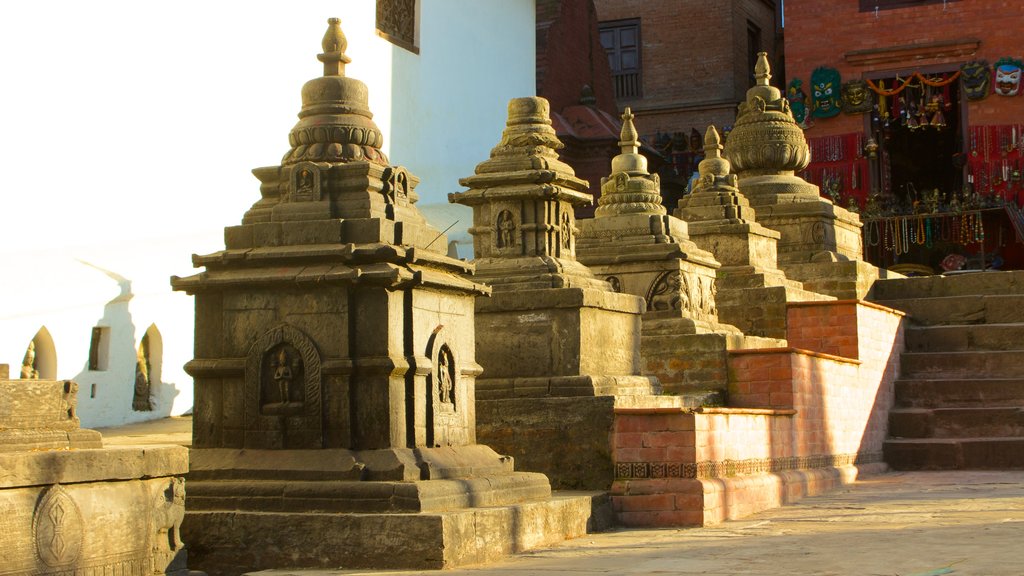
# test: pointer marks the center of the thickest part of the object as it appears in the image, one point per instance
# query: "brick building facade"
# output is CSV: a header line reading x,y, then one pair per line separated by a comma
x,y
941,148
684,64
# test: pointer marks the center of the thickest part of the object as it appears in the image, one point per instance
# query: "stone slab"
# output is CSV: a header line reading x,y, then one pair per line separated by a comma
x,y
228,543
73,466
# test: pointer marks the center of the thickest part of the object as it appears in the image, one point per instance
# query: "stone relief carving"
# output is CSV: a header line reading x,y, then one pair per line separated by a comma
x,y
676,290
396,186
169,511
615,283
305,182
57,528
445,372
28,363
505,229
396,21
283,379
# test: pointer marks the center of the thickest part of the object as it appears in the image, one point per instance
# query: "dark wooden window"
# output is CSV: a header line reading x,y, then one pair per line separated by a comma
x,y
621,40
99,348
397,23
872,5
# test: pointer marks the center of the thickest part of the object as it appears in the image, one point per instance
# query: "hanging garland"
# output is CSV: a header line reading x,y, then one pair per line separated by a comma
x,y
881,91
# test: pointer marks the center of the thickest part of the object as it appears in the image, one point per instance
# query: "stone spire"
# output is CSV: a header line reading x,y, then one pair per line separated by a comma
x,y
335,123
766,139
630,189
715,196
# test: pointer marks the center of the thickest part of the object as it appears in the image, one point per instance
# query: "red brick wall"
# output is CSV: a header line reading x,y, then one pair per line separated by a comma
x,y
693,59
818,35
569,55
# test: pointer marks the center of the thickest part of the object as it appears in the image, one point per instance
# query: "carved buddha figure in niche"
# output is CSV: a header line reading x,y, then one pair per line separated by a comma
x,y
445,376
282,388
506,227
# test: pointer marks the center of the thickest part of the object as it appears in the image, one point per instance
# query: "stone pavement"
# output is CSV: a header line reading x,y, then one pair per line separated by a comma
x,y
964,523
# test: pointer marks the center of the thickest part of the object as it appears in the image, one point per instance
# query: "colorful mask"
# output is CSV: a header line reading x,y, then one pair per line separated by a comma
x,y
856,97
975,77
797,100
825,84
1008,72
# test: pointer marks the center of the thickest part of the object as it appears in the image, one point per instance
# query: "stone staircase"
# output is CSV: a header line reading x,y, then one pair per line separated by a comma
x,y
960,396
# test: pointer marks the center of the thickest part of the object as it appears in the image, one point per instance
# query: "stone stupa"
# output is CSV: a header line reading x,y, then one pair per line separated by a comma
x,y
553,339
820,243
335,369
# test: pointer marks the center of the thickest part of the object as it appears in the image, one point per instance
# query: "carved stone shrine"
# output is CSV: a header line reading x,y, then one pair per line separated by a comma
x,y
71,506
640,249
335,370
820,243
557,343
753,291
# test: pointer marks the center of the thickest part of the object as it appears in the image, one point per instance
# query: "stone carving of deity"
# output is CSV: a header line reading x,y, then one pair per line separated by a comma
x,y
506,228
445,376
285,368
566,232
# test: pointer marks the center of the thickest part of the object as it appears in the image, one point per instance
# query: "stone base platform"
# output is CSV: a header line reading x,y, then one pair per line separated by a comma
x,y
393,508
232,542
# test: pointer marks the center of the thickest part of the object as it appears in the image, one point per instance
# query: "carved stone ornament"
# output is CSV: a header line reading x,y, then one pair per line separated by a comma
x,y
505,230
305,183
566,230
282,378
669,291
169,512
396,186
766,138
444,377
57,528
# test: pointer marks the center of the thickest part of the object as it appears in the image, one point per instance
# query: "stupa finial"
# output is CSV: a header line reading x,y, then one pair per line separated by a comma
x,y
762,70
713,167
334,45
629,160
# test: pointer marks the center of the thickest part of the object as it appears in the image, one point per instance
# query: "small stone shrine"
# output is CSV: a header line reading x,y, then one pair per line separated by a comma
x,y
72,507
334,370
639,249
766,148
557,344
753,292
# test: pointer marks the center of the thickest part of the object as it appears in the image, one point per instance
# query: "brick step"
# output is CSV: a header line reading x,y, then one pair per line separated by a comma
x,y
965,309
965,337
989,282
954,453
999,422
964,364
960,392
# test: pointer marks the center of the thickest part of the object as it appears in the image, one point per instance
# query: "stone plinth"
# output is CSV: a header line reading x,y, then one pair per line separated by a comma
x,y
766,149
72,506
551,329
335,369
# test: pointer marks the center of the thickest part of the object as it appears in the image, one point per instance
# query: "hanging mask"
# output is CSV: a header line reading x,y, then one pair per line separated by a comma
x,y
1008,72
975,77
856,97
825,85
797,100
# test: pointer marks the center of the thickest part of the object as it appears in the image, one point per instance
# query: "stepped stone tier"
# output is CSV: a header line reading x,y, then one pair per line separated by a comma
x,y
753,291
551,329
73,507
639,249
335,372
766,148
959,396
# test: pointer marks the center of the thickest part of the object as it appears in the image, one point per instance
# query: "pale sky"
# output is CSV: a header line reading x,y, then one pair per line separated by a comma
x,y
141,120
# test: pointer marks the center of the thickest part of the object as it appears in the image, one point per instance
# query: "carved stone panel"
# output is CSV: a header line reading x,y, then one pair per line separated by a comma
x,y
57,528
445,392
306,182
506,231
690,293
283,391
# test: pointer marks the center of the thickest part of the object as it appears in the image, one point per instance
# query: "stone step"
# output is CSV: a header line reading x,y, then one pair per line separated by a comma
x,y
964,364
965,337
963,309
999,422
960,392
954,453
990,282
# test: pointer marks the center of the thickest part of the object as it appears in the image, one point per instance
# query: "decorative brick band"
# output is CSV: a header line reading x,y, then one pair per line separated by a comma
x,y
725,468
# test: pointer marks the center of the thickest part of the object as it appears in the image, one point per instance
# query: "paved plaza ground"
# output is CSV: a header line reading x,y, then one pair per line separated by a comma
x,y
968,523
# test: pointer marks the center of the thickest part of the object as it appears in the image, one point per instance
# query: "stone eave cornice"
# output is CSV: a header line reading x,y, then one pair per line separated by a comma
x,y
529,176
501,189
395,266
